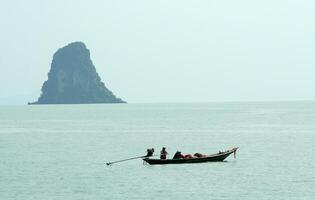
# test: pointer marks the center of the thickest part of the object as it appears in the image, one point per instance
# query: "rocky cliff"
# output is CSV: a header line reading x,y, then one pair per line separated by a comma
x,y
73,79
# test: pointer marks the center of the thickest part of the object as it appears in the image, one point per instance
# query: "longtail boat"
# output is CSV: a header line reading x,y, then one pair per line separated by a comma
x,y
218,157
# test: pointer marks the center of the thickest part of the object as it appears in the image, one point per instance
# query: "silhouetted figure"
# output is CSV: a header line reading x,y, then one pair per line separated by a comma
x,y
150,152
178,155
163,153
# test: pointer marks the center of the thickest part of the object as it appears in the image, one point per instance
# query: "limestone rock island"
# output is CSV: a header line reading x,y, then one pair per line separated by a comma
x,y
73,79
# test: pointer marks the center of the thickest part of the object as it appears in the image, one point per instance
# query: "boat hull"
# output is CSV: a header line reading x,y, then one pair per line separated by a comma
x,y
219,157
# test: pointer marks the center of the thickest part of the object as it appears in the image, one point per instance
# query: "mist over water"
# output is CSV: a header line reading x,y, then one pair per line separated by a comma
x,y
59,152
166,51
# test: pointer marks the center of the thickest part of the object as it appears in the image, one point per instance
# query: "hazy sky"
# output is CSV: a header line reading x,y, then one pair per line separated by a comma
x,y
166,51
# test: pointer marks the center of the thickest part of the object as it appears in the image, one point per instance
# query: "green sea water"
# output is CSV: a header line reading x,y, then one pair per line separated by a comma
x,y
59,151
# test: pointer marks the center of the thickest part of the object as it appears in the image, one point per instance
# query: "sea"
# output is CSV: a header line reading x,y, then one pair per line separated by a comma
x,y
59,152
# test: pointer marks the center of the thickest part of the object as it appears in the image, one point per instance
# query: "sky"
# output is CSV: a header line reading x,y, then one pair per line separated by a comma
x,y
149,51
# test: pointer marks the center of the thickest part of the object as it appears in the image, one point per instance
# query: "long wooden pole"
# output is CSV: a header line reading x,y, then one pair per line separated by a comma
x,y
110,163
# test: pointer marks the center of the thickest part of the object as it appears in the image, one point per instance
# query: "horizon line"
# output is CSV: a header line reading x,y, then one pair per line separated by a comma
x,y
172,102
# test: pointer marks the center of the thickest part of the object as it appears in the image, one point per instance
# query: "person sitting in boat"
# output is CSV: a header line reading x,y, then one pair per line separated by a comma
x,y
199,155
163,153
178,155
188,156
150,152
